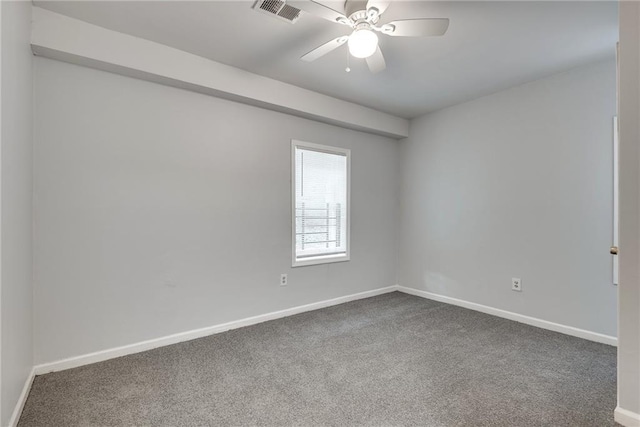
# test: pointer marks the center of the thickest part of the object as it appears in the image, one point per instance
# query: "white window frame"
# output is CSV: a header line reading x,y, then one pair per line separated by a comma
x,y
320,259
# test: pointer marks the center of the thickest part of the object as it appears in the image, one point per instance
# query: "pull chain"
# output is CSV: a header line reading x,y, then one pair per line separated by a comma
x,y
348,70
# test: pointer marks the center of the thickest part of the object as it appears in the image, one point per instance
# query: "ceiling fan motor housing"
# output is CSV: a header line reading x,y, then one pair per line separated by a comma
x,y
353,6
357,12
362,25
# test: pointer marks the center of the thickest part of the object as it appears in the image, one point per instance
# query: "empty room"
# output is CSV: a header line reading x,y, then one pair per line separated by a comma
x,y
319,213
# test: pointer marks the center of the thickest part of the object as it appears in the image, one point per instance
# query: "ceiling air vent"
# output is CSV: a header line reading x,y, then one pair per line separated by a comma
x,y
278,9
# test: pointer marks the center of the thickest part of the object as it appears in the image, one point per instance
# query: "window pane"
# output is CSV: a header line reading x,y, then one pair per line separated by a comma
x,y
320,203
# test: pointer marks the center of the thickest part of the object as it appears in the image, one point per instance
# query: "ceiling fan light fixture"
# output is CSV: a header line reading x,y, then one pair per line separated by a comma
x,y
363,43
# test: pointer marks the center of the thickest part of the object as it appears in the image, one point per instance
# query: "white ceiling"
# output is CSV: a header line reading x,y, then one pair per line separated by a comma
x,y
489,46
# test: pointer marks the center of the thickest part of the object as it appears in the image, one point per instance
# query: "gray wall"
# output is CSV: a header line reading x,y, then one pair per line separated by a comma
x,y
16,358
160,210
629,297
516,184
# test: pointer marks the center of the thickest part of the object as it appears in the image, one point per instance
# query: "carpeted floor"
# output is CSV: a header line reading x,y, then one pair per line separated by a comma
x,y
394,360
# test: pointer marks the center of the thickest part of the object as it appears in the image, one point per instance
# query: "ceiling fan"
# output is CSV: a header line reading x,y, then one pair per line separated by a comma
x,y
363,17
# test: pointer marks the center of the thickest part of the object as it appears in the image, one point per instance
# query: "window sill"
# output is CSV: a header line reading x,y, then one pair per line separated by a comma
x,y
321,259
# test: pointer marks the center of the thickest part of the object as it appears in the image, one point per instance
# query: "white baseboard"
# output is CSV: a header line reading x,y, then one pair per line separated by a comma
x,y
15,417
533,321
99,356
626,418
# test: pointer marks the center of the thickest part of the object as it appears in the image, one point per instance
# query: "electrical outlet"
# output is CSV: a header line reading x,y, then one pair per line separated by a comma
x,y
516,284
283,280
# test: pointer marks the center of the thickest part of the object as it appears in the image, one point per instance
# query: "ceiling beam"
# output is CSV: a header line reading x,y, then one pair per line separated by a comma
x,y
66,39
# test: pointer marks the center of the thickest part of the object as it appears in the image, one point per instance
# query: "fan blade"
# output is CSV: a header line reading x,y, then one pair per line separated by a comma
x,y
324,49
380,5
376,61
320,10
417,27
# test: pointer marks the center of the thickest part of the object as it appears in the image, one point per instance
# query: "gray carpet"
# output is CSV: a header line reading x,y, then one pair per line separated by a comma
x,y
394,359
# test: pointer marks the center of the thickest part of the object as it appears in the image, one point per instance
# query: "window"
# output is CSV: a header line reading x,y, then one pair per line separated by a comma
x,y
320,211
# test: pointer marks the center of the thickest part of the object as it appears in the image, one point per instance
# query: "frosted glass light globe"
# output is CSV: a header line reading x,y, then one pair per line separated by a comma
x,y
363,43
